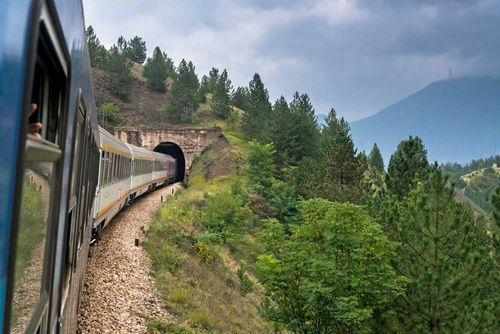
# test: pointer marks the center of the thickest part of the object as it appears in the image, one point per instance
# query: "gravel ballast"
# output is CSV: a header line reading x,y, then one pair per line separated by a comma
x,y
119,294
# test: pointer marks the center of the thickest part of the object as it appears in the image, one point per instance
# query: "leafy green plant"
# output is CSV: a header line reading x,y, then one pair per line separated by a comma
x,y
331,273
246,284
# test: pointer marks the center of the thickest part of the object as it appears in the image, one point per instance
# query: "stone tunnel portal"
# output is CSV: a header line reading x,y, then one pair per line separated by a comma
x,y
174,151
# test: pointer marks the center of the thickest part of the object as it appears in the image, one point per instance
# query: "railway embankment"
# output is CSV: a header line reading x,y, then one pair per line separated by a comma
x,y
119,294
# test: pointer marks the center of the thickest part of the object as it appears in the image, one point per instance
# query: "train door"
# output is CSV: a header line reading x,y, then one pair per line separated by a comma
x,y
34,238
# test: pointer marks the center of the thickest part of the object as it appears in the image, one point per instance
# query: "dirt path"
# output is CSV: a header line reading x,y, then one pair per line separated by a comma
x,y
119,293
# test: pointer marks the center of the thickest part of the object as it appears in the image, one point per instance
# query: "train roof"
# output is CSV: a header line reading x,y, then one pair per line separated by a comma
x,y
110,143
140,153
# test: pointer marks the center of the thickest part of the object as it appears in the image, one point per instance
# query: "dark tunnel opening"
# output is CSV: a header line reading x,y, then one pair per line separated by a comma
x,y
174,151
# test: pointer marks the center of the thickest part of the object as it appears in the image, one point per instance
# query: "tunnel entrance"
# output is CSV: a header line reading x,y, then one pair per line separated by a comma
x,y
174,151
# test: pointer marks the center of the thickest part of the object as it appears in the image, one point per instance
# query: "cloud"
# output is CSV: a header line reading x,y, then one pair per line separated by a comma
x,y
356,56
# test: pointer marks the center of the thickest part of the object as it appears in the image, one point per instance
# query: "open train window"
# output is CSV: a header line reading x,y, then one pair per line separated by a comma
x,y
33,265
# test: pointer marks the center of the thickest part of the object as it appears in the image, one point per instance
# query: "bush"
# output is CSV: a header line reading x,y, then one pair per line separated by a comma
x,y
225,214
206,252
202,319
246,284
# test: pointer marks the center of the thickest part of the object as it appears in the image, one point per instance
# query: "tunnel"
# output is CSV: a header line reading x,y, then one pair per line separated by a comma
x,y
174,151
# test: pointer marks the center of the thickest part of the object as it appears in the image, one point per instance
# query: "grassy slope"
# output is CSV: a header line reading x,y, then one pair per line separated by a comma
x,y
200,286
480,185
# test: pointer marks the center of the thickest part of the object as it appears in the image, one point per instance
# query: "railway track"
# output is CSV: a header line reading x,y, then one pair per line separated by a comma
x,y
119,295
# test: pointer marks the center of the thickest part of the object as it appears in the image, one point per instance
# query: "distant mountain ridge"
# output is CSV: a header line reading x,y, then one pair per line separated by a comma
x,y
458,120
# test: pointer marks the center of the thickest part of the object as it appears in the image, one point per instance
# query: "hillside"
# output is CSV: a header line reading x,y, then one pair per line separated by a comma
x,y
142,108
480,185
458,120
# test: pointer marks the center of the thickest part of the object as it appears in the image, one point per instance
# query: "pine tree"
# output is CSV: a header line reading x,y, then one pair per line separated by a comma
x,y
136,50
213,79
121,45
307,143
97,52
408,162
257,115
375,160
222,96
240,98
339,163
156,70
444,253
183,102
118,70
495,200
260,167
285,133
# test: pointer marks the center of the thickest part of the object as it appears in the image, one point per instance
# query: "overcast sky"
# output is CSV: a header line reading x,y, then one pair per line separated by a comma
x,y
355,56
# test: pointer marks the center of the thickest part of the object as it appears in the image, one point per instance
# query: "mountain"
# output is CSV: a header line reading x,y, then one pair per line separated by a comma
x,y
458,120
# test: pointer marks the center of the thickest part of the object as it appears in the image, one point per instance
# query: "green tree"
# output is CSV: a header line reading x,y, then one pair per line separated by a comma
x,y
260,167
240,98
225,214
97,52
408,162
183,102
108,114
213,80
284,134
495,200
118,70
255,120
307,128
222,96
157,69
339,163
136,50
375,159
331,274
444,253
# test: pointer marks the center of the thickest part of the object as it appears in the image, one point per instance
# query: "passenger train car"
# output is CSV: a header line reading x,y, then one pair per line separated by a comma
x,y
126,172
59,186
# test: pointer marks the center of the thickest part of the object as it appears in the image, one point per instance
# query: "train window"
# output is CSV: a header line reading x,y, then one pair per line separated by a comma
x,y
101,170
106,163
114,167
40,188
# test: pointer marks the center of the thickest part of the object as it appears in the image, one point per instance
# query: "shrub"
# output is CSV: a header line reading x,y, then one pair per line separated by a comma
x,y
246,284
202,319
225,214
206,252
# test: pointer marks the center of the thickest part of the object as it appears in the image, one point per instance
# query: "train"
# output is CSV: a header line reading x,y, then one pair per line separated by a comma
x,y
62,177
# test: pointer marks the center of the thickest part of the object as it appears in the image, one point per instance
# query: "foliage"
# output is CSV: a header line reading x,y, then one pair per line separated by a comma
x,y
495,199
108,113
118,71
221,95
341,167
97,52
293,131
474,165
330,274
408,162
136,50
375,159
183,102
255,120
444,253
481,186
225,214
240,98
157,69
260,167
246,284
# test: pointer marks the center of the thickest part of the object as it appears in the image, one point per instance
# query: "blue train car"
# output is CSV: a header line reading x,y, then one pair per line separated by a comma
x,y
49,150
